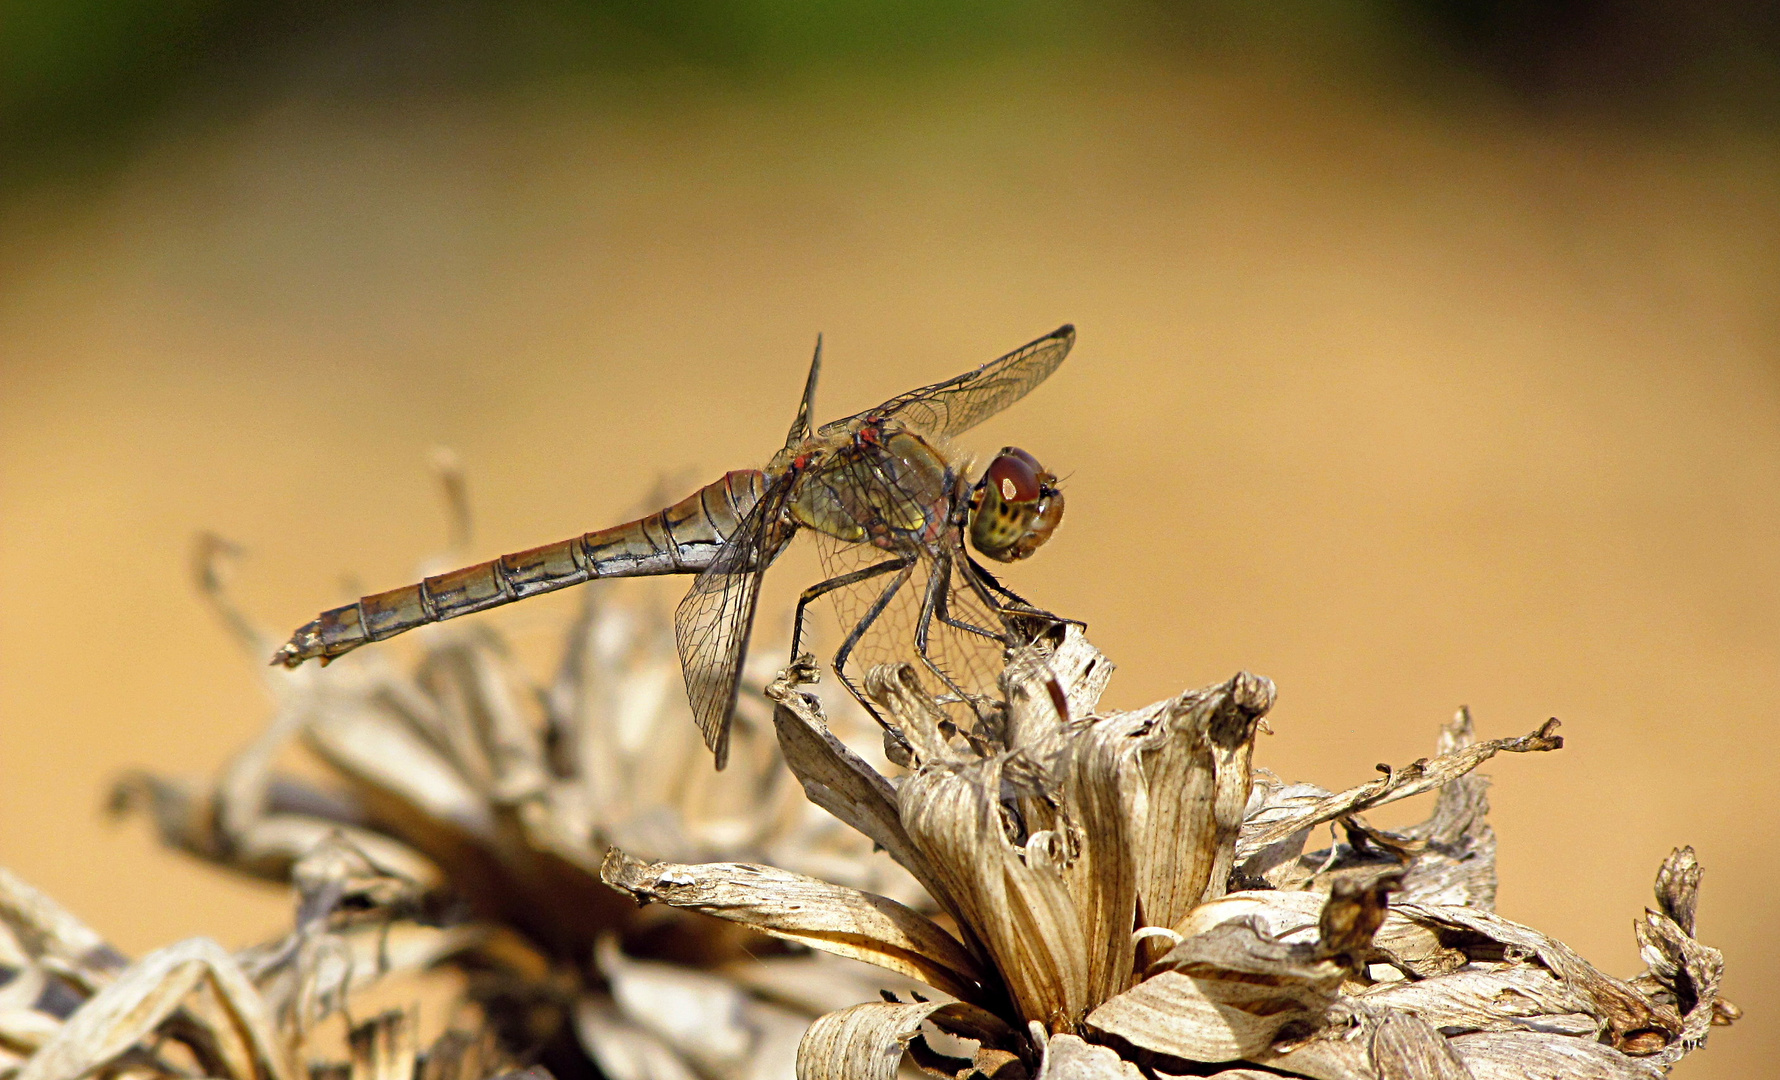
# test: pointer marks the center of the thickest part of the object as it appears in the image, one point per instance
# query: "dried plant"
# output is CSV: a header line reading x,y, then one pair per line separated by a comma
x,y
495,798
73,1006
1124,895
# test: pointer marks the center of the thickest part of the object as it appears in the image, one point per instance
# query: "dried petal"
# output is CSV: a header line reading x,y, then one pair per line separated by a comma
x,y
623,1051
145,996
1516,997
1199,784
1529,1056
866,1041
832,918
1397,784
1632,1019
1067,1057
1014,898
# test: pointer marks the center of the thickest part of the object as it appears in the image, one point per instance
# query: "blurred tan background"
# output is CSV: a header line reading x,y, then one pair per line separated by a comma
x,y
1416,369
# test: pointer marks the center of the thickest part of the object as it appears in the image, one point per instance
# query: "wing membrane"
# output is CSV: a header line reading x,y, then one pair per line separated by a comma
x,y
961,403
713,622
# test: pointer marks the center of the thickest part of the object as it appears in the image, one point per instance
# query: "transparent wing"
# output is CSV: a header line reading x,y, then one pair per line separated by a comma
x,y
713,622
961,403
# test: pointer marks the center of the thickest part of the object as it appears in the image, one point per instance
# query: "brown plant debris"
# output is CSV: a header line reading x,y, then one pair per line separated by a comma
x,y
492,800
72,1006
1125,895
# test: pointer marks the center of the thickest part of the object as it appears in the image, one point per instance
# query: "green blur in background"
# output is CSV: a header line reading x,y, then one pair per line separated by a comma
x,y
79,78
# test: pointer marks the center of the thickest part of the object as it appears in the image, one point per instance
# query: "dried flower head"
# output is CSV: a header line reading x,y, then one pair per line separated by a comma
x,y
1129,896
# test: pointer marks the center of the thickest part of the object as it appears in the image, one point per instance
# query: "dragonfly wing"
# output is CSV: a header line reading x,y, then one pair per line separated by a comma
x,y
713,622
961,403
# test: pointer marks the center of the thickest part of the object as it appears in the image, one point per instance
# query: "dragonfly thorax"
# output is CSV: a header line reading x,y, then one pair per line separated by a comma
x,y
1015,506
891,489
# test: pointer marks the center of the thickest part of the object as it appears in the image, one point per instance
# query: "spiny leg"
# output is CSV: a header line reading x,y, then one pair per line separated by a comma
x,y
906,568
942,609
822,588
934,601
981,580
984,576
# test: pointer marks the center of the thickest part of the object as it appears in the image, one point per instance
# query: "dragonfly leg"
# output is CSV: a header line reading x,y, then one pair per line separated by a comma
x,y
934,604
821,588
941,609
1016,604
904,568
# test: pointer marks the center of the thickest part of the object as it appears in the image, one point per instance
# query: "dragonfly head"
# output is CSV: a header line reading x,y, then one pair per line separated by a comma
x,y
1015,506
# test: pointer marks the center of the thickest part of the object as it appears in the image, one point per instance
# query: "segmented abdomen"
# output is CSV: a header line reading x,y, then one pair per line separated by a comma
x,y
681,539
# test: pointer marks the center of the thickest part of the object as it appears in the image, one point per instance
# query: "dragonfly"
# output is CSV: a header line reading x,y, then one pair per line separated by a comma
x,y
882,488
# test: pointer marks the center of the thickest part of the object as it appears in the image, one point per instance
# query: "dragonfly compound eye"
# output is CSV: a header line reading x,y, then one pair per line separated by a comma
x,y
1014,476
1017,507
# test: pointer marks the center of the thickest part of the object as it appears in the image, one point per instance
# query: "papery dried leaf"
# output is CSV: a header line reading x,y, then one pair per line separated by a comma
x,y
145,996
1516,997
384,1047
1082,671
1014,899
400,777
620,1048
265,846
866,1042
244,791
815,985
501,859
1107,803
1199,784
1222,995
1295,917
1272,800
1687,972
778,1033
493,745
832,918
841,782
1360,1043
1047,684
1413,779
1533,1056
1406,1047
1633,1021
23,1031
47,931
1038,706
1068,1057
1286,917
701,1016
1457,864
461,1055
921,722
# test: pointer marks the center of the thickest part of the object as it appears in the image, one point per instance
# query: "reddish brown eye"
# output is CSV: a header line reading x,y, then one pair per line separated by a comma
x,y
1014,475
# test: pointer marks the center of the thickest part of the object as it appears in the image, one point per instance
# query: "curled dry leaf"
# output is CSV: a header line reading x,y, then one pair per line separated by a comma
x,y
193,1008
832,918
866,1042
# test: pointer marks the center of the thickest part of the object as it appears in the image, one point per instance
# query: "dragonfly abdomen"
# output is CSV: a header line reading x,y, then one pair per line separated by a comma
x,y
682,539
